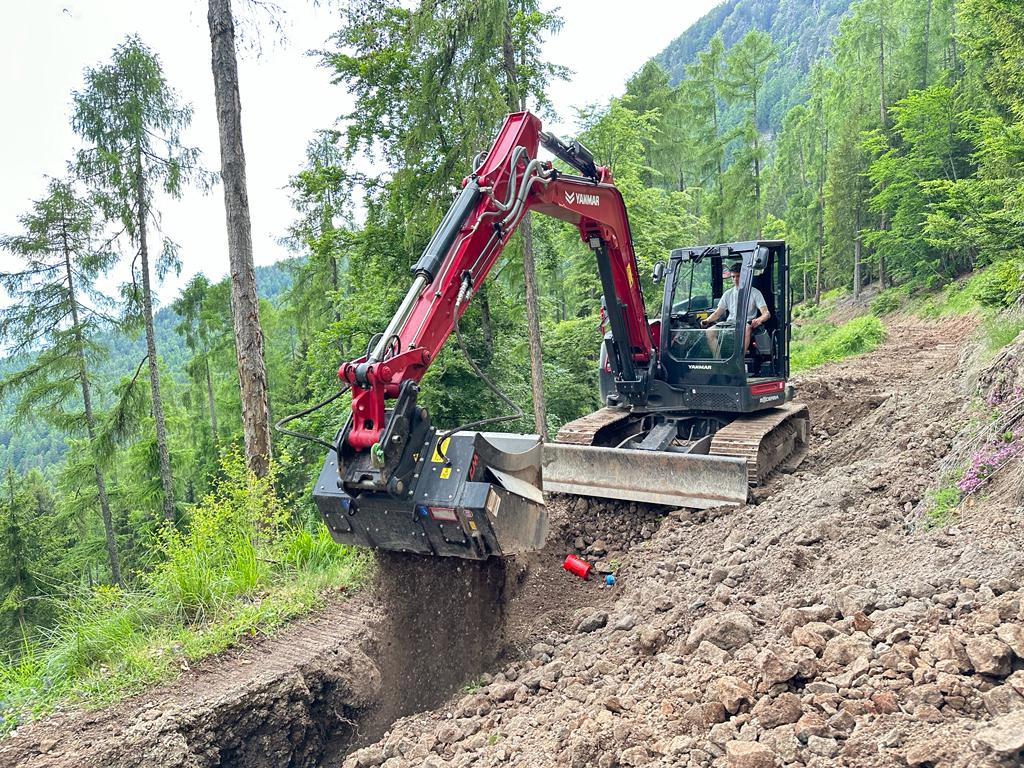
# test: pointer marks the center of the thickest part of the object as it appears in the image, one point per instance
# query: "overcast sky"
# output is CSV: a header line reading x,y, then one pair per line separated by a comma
x,y
286,97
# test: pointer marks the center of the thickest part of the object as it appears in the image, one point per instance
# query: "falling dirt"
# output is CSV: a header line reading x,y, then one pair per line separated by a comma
x,y
821,625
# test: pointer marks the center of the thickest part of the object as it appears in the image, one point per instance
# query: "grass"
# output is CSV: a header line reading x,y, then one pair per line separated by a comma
x,y
942,506
817,343
239,568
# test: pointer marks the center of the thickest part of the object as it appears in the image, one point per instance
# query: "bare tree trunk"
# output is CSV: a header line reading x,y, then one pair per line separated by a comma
x,y
210,401
533,326
245,308
757,170
486,326
90,422
516,100
154,371
927,32
857,282
884,114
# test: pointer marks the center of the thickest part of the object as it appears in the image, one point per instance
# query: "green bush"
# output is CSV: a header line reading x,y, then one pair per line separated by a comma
x,y
236,566
1000,285
942,506
884,303
828,343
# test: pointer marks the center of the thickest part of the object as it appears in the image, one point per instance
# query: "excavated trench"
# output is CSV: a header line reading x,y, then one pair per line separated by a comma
x,y
443,624
316,691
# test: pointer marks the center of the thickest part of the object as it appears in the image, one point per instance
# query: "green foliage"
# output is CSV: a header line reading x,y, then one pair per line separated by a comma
x,y
819,344
1001,285
885,303
235,570
942,506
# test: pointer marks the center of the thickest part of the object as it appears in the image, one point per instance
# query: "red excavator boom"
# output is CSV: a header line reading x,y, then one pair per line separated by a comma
x,y
508,182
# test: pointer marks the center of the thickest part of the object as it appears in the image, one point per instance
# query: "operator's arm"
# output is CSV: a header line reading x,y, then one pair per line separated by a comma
x,y
763,313
714,316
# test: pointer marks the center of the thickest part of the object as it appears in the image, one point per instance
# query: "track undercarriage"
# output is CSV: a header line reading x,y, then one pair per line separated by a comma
x,y
698,460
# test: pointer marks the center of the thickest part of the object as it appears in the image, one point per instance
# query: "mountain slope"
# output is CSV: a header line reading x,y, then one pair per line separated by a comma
x,y
802,29
36,445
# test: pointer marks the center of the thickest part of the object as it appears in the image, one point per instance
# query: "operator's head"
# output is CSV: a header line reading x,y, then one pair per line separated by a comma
x,y
734,272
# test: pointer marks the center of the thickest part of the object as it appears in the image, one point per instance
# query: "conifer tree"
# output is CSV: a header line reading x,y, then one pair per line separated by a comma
x,y
131,121
55,313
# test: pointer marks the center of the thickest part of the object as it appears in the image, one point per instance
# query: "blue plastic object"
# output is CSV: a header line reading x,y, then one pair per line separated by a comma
x,y
609,580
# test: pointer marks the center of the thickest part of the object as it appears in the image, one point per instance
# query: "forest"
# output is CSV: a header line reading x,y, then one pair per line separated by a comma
x,y
891,160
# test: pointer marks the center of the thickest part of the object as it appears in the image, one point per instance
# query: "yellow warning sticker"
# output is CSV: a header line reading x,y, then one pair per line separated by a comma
x,y
629,275
446,473
437,458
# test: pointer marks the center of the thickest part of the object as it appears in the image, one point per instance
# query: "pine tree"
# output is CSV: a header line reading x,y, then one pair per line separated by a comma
x,y
741,82
132,122
56,311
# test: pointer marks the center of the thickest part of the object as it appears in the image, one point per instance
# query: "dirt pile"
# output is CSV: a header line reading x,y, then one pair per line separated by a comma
x,y
822,626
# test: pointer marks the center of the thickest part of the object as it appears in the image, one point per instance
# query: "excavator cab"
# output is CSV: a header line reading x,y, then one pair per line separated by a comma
x,y
696,279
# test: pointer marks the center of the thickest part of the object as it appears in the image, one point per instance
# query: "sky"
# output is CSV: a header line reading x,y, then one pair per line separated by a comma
x,y
45,45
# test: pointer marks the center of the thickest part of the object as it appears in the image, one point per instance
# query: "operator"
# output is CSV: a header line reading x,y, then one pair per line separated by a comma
x,y
757,311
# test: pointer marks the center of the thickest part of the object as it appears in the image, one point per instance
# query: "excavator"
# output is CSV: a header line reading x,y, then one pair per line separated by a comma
x,y
693,415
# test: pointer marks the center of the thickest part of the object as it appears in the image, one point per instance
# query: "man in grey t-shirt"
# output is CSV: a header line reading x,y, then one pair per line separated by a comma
x,y
757,311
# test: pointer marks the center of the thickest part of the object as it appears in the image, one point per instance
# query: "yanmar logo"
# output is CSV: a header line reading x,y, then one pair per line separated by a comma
x,y
579,198
699,367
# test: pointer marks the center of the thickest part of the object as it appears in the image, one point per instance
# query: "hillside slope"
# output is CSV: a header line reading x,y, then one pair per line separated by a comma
x,y
802,29
36,445
822,625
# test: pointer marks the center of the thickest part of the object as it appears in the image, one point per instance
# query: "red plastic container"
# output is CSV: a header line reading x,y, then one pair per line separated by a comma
x,y
577,566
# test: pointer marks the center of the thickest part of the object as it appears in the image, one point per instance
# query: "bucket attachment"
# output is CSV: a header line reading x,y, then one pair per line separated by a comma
x,y
654,477
473,496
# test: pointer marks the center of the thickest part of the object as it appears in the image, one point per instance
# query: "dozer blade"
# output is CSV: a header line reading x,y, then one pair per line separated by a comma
x,y
655,477
474,496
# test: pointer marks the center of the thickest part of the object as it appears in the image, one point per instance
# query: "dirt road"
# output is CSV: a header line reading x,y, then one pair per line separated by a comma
x,y
822,625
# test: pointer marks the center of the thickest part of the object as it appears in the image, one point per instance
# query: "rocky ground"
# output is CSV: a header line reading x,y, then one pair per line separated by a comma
x,y
821,625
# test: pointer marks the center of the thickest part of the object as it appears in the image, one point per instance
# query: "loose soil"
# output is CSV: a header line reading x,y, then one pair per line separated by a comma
x,y
823,624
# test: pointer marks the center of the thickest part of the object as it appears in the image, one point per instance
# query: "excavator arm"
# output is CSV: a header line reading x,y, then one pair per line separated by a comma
x,y
507,183
392,481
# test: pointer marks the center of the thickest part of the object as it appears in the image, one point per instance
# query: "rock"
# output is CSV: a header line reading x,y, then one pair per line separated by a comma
x,y
989,656
854,599
825,747
782,710
861,623
634,756
749,754
774,669
843,649
1002,700
885,702
925,753
650,639
598,548
613,704
732,693
367,757
1005,735
727,630
503,692
1002,585
711,654
809,639
782,742
624,622
591,621
704,715
810,724
1013,636
944,646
